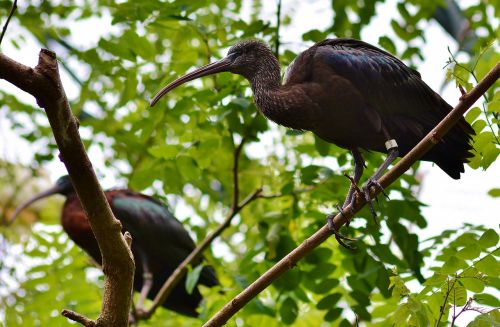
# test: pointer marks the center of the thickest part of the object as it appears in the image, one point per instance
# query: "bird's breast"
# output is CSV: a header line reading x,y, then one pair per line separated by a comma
x,y
77,226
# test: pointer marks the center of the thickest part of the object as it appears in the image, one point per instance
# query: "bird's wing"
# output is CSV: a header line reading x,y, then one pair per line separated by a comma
x,y
156,231
151,225
386,83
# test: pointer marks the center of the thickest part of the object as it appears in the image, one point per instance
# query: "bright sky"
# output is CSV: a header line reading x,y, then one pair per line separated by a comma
x,y
450,202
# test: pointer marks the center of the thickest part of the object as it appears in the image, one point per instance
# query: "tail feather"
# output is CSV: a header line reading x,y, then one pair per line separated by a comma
x,y
454,150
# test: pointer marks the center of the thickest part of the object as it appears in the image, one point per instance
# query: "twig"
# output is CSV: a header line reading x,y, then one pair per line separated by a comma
x,y
78,318
464,308
44,83
4,29
291,259
278,26
181,270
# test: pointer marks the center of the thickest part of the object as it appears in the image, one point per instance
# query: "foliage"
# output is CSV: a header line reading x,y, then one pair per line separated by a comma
x,y
464,273
183,150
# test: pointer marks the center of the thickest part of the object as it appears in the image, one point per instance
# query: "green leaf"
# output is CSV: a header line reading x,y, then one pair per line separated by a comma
x,y
436,280
321,146
288,311
488,265
192,278
469,252
473,284
321,270
418,311
398,286
488,239
325,286
458,295
452,265
188,168
401,315
472,114
494,106
333,314
490,319
165,151
487,299
386,43
313,35
328,301
494,192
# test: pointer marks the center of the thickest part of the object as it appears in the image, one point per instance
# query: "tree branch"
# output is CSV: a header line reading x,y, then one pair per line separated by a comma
x,y
291,259
4,29
44,83
71,315
181,270
278,26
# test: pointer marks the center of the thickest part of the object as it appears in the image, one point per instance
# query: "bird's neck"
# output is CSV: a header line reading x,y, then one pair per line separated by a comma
x,y
277,102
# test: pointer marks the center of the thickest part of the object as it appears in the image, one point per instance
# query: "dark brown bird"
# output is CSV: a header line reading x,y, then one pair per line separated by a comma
x,y
349,93
160,242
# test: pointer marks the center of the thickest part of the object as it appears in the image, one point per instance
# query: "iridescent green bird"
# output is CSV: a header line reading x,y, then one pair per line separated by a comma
x,y
160,242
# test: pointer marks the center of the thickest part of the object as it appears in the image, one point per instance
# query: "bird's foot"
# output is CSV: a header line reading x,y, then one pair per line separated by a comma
x,y
366,190
356,188
339,237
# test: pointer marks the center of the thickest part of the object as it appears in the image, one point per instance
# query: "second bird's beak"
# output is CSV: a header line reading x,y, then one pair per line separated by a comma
x,y
53,190
213,68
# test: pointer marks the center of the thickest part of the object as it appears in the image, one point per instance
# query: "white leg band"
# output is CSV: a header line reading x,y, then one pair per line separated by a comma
x,y
390,144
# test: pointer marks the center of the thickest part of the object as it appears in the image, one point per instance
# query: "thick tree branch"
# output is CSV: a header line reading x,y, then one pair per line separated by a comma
x,y
181,270
291,259
44,83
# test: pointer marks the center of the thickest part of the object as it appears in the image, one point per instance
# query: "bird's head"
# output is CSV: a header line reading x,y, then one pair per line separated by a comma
x,y
244,58
63,186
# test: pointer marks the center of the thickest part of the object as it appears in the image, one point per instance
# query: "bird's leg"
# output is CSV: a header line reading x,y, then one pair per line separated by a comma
x,y
359,165
392,154
147,281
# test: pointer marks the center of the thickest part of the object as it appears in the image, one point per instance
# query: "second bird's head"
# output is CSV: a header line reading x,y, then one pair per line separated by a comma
x,y
244,58
63,186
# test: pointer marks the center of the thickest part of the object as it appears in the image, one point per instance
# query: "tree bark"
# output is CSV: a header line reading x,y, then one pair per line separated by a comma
x,y
44,83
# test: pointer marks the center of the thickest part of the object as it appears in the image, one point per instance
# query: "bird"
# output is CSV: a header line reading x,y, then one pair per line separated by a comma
x,y
159,241
349,93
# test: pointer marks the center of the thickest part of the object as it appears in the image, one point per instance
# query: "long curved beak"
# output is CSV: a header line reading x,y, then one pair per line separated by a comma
x,y
53,190
213,68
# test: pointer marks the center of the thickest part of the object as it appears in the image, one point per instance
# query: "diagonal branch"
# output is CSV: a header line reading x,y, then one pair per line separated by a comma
x,y
44,83
181,270
291,259
11,13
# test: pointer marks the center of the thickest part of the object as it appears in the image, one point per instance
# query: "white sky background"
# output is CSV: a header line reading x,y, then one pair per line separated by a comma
x,y
451,203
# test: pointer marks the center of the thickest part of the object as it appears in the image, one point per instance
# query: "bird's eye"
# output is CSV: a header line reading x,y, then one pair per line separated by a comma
x,y
237,53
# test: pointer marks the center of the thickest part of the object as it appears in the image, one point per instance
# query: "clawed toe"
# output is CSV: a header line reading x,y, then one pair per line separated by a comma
x,y
339,237
354,184
366,190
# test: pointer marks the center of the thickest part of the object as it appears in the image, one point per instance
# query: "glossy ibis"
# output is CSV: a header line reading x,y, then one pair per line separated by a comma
x,y
349,93
160,242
